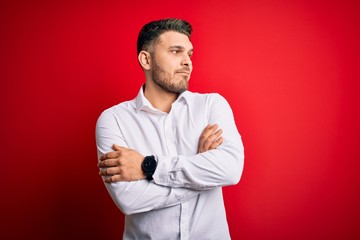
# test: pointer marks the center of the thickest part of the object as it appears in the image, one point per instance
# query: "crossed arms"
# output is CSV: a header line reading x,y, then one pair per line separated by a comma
x,y
124,164
218,162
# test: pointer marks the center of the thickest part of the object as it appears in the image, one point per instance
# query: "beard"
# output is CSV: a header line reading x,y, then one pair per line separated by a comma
x,y
167,82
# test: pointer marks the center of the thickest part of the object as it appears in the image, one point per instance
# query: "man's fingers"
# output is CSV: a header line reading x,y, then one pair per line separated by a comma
x,y
122,178
117,147
217,143
110,155
112,179
123,164
115,154
109,163
208,130
210,140
109,171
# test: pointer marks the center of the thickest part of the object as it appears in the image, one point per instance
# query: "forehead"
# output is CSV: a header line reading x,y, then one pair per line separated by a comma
x,y
171,38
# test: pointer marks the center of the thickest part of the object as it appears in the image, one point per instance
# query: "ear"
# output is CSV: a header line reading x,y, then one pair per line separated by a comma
x,y
144,60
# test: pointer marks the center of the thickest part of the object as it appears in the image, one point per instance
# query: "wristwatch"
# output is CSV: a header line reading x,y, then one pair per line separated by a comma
x,y
148,166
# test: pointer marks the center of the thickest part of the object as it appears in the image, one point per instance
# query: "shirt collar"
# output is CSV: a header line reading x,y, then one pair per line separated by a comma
x,y
143,104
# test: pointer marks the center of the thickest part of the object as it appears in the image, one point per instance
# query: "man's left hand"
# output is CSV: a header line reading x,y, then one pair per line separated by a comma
x,y
124,164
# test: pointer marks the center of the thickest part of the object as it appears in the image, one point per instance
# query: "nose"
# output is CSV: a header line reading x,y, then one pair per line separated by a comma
x,y
186,61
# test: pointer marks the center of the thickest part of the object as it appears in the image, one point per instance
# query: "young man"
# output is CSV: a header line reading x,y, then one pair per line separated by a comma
x,y
166,154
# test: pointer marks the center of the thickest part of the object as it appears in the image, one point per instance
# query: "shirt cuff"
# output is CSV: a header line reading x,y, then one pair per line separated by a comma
x,y
163,169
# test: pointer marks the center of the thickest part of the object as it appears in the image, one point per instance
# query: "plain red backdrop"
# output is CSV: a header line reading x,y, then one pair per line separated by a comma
x,y
289,69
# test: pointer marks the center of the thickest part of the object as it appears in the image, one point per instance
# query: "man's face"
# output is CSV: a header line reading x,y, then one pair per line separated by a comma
x,y
171,63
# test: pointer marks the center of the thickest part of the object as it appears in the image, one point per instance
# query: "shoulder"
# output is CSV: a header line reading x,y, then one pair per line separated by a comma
x,y
122,108
206,98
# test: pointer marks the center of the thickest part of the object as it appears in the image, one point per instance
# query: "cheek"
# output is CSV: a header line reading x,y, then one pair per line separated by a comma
x,y
167,64
170,69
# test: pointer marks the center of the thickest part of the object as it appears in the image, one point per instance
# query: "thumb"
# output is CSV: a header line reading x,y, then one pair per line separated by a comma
x,y
117,147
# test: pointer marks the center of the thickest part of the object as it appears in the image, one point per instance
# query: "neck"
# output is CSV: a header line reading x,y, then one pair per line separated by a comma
x,y
158,97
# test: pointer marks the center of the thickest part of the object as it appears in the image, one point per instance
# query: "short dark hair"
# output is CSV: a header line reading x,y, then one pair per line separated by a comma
x,y
151,31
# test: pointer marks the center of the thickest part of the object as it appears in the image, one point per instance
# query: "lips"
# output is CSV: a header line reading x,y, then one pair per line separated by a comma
x,y
184,71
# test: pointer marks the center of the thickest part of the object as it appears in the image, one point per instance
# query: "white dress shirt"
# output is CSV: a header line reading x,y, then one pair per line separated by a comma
x,y
184,201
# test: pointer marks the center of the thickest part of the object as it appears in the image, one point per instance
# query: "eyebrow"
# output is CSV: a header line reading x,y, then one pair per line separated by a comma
x,y
180,48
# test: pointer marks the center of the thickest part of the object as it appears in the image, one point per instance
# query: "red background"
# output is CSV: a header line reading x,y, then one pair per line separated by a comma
x,y
290,70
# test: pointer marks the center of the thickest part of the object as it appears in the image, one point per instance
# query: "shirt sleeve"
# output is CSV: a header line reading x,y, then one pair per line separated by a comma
x,y
219,167
137,196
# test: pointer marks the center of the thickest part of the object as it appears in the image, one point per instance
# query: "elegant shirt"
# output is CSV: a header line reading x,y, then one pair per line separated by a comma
x,y
184,200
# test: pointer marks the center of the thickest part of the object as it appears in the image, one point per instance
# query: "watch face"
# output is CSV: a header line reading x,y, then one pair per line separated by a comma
x,y
149,164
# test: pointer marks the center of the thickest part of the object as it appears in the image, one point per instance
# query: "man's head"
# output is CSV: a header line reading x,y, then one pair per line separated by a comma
x,y
151,31
164,51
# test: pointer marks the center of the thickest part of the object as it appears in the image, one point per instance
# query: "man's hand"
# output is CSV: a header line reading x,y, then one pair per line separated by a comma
x,y
124,164
210,138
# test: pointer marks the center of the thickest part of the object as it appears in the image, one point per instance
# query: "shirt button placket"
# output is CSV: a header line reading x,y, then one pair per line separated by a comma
x,y
170,139
170,136
184,226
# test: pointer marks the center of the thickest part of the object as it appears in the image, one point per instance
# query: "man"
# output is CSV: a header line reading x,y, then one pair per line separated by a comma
x,y
166,154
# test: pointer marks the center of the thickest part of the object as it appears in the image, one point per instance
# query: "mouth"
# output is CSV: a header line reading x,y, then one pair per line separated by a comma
x,y
184,70
187,73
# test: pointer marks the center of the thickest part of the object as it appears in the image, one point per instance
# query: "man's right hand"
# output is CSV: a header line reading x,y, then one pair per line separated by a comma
x,y
210,138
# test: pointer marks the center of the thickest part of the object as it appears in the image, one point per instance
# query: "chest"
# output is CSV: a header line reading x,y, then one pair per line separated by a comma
x,y
172,134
